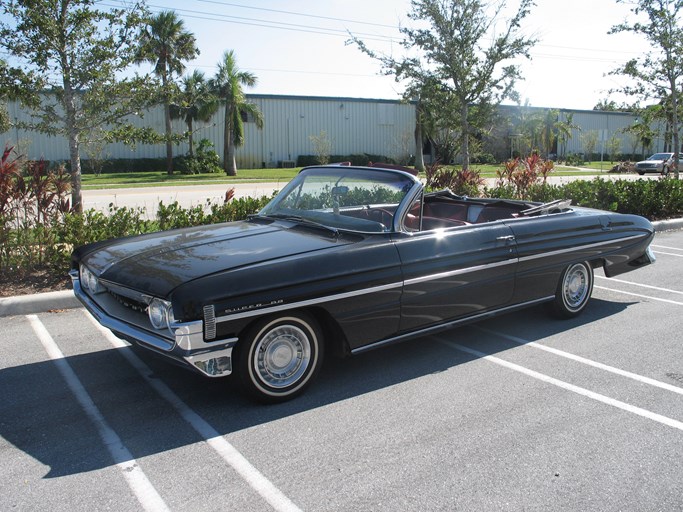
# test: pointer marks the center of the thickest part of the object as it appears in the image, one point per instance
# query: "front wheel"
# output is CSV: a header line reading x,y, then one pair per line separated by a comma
x,y
665,171
573,290
279,357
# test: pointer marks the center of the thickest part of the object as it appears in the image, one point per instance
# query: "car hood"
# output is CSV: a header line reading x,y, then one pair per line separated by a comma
x,y
159,262
650,162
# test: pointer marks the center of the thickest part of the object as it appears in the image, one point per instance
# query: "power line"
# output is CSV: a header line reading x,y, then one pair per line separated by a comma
x,y
255,22
297,14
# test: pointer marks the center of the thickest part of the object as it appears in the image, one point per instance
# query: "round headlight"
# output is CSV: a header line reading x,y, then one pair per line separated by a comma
x,y
89,281
157,311
170,319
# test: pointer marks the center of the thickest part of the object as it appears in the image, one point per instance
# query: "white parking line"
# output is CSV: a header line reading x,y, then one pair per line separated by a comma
x,y
144,491
264,487
613,279
669,254
666,247
583,360
640,295
669,422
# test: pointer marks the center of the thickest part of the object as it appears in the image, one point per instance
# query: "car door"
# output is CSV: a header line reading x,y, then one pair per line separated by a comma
x,y
455,272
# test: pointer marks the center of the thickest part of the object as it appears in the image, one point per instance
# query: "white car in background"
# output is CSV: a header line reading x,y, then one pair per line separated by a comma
x,y
659,162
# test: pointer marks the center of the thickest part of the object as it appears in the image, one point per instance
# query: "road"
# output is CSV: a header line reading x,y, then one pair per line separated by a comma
x,y
187,196
192,195
521,412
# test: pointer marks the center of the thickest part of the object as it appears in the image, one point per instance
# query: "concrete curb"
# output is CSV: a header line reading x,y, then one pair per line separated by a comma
x,y
65,299
38,303
668,225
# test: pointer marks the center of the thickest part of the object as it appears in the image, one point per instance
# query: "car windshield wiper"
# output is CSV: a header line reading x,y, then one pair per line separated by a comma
x,y
300,220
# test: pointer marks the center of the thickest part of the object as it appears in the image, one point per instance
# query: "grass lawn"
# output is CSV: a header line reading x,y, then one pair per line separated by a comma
x,y
156,178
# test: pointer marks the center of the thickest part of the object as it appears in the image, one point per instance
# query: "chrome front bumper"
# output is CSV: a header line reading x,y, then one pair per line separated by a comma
x,y
187,344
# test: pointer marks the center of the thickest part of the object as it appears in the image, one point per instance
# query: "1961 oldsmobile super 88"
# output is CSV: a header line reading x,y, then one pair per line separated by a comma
x,y
343,260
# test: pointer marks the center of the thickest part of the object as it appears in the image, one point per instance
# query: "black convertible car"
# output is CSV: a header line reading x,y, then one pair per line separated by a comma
x,y
343,260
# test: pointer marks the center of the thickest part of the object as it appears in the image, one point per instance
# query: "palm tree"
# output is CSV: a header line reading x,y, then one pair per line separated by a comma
x,y
165,43
227,85
196,102
565,129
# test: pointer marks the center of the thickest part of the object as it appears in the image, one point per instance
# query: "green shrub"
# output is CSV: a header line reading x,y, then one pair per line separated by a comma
x,y
204,160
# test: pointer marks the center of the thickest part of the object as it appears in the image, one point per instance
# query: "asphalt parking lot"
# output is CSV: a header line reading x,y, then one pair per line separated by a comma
x,y
521,412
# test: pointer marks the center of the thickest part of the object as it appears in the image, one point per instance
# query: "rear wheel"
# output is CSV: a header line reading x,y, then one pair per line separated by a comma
x,y
573,290
279,357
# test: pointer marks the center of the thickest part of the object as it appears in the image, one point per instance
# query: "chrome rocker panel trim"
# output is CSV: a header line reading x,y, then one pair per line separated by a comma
x,y
449,325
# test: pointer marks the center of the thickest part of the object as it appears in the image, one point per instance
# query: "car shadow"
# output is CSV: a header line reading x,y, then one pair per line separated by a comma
x,y
40,416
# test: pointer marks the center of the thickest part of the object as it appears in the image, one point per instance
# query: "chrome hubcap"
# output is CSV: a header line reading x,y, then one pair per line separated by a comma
x,y
576,284
282,356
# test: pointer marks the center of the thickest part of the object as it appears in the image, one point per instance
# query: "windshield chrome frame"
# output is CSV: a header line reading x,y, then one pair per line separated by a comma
x,y
401,209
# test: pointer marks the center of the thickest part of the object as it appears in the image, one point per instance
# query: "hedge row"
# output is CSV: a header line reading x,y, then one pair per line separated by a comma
x,y
28,245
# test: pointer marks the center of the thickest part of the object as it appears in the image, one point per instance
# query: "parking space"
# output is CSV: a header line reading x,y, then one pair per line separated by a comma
x,y
517,412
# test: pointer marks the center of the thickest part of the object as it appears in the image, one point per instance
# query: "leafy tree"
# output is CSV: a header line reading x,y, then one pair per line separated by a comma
x,y
613,147
322,147
165,43
227,86
195,102
465,49
642,129
608,105
64,59
657,73
590,142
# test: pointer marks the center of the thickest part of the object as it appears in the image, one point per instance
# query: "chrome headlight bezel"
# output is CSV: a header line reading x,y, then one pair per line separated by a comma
x,y
89,281
160,314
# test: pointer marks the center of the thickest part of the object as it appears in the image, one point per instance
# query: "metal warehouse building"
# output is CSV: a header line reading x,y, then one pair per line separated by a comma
x,y
352,125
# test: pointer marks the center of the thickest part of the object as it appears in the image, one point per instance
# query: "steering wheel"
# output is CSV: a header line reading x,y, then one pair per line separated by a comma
x,y
382,216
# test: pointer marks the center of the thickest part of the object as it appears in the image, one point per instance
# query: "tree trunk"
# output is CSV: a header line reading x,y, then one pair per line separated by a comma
x,y
74,149
419,157
232,169
169,142
229,144
190,137
674,128
465,136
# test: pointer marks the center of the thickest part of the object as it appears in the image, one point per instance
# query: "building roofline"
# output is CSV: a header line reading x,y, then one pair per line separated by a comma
x,y
326,98
570,110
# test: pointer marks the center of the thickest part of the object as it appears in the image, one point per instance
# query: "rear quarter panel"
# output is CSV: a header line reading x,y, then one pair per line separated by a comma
x,y
547,244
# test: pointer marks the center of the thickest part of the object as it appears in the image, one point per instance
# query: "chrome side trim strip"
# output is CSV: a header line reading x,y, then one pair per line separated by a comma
x,y
459,271
577,248
408,282
448,325
310,302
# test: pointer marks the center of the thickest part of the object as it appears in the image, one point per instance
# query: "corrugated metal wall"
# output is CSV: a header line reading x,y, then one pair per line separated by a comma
x,y
353,126
607,125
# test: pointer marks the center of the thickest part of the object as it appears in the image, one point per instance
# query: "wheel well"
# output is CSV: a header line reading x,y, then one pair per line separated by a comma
x,y
333,337
335,340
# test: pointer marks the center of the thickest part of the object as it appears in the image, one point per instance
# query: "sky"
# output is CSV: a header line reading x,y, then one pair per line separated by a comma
x,y
300,47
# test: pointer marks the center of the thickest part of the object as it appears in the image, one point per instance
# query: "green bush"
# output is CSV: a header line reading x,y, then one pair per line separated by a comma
x,y
204,160
42,236
483,159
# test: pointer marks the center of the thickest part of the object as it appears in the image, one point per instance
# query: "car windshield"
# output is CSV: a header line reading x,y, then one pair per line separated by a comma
x,y
661,156
338,197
